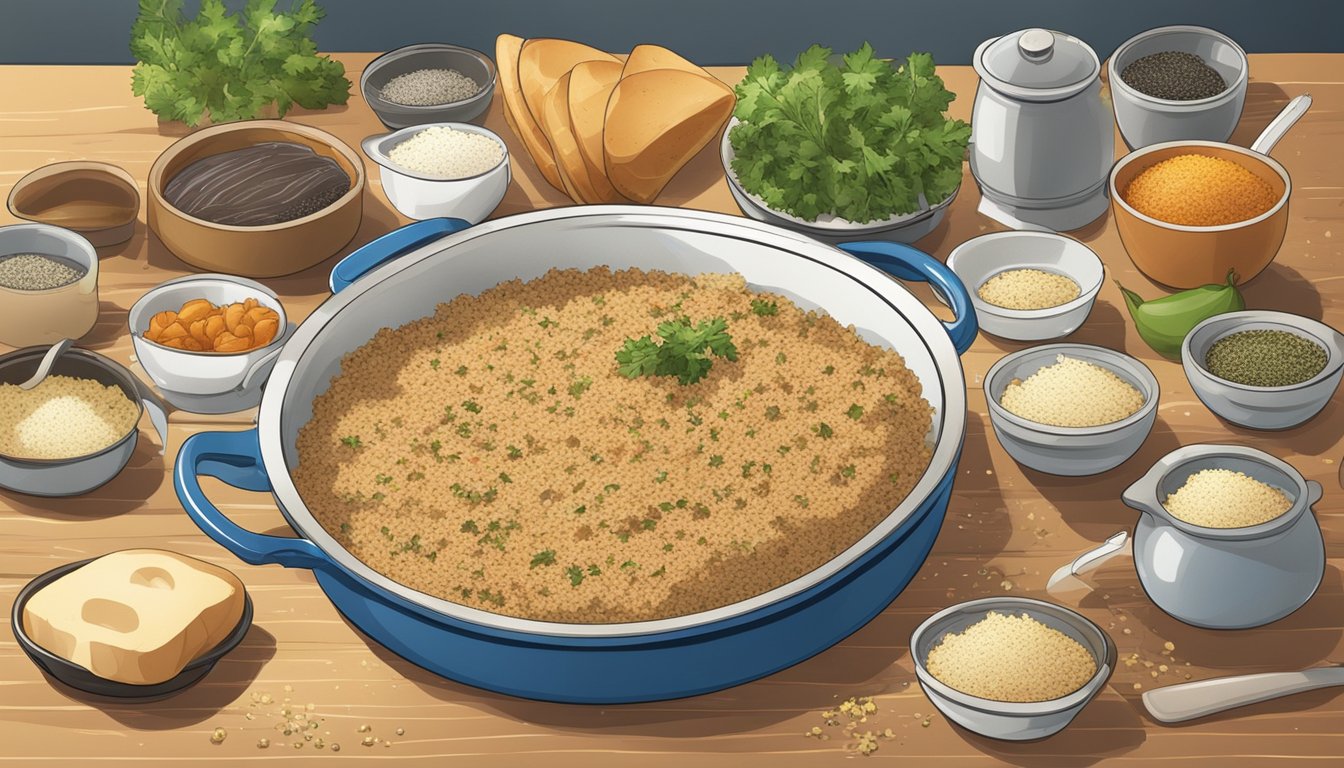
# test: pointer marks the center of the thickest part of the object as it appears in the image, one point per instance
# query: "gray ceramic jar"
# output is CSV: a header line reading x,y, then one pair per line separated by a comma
x,y
1042,139
1226,578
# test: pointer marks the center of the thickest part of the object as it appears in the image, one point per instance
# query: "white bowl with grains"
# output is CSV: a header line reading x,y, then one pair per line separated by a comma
x,y
1071,409
444,169
1028,286
1011,668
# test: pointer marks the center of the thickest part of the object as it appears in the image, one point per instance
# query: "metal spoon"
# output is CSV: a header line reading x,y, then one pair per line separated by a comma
x,y
48,360
1187,701
1087,561
1281,123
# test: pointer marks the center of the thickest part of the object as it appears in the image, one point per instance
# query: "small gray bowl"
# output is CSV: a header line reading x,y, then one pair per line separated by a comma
x,y
906,228
1267,408
469,62
78,474
1145,119
1013,721
1070,451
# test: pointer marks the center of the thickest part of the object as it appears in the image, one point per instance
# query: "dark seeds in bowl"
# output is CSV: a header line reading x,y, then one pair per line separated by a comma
x,y
1173,75
1265,358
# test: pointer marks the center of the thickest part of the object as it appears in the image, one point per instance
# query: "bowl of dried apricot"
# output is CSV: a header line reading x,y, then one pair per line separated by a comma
x,y
207,335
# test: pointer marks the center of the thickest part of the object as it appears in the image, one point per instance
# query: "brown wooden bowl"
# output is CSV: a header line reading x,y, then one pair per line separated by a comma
x,y
97,200
1187,257
265,251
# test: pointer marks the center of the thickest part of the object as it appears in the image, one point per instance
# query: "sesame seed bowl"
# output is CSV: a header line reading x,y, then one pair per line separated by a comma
x,y
413,59
982,258
420,193
1070,450
1267,408
1010,720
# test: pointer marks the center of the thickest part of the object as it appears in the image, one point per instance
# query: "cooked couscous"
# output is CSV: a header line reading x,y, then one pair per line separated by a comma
x,y
63,417
497,455
1223,498
1072,393
1199,191
1005,657
447,152
1028,289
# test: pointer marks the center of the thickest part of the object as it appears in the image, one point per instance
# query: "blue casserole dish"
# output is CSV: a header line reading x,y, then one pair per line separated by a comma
x,y
401,276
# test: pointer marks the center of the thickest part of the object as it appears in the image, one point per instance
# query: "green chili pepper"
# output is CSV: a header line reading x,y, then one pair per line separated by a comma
x,y
1163,323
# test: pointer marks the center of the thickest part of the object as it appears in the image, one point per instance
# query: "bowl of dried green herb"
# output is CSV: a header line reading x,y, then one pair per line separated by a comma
x,y
1262,369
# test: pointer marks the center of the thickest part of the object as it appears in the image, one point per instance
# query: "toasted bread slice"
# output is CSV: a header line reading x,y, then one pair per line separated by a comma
x,y
590,86
520,120
555,122
656,121
542,61
647,57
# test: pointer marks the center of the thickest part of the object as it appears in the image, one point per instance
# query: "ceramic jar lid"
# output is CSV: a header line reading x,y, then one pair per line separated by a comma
x,y
1037,65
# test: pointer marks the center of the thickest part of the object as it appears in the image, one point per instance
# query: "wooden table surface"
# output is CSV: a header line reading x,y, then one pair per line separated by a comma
x,y
1007,527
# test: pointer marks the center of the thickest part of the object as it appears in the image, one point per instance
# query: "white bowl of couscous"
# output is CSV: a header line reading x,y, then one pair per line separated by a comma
x,y
1028,286
455,170
1011,668
1071,409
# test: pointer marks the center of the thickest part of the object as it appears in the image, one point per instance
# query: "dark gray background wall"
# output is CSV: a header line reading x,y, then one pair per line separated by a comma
x,y
707,31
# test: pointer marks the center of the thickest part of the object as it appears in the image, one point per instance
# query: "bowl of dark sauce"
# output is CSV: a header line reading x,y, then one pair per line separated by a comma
x,y
257,198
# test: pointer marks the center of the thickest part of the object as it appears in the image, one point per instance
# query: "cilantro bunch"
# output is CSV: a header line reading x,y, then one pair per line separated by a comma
x,y
232,66
684,353
861,141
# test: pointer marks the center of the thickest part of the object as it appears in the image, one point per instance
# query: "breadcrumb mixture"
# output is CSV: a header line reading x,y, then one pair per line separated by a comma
x,y
493,455
1004,657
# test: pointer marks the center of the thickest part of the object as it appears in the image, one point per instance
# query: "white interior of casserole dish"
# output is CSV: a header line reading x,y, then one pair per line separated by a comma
x,y
525,247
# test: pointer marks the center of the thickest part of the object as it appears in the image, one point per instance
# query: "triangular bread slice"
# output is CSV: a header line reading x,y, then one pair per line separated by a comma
x,y
590,86
520,120
555,122
543,60
656,122
647,57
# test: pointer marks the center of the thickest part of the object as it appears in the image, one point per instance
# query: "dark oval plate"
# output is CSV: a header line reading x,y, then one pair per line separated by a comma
x,y
82,679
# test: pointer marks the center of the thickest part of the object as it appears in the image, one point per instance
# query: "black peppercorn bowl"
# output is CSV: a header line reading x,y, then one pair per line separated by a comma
x,y
1145,119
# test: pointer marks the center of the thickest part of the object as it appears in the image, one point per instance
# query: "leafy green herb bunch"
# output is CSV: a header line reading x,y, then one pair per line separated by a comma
x,y
231,66
864,139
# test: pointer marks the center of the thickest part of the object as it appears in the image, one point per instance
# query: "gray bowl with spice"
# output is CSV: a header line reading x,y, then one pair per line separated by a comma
x,y
401,85
1277,377
1172,91
1071,450
77,474
1011,720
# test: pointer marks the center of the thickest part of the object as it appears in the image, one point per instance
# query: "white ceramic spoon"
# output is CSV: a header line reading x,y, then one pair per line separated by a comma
x,y
1187,701
48,360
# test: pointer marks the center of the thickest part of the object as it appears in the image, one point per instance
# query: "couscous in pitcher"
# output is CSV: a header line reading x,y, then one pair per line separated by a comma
x,y
1226,577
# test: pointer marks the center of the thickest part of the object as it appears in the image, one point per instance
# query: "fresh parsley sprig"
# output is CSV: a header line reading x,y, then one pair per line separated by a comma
x,y
862,140
684,353
231,65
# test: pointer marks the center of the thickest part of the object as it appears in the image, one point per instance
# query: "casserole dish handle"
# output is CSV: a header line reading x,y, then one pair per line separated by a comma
x,y
235,458
913,265
383,249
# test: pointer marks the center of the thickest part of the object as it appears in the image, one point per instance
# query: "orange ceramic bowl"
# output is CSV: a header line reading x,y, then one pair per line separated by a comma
x,y
266,251
1182,256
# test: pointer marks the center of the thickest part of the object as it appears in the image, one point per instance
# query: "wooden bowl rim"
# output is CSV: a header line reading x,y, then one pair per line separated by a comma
x,y
155,182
